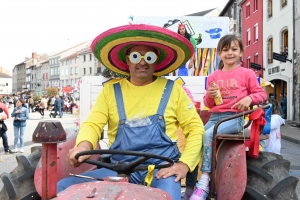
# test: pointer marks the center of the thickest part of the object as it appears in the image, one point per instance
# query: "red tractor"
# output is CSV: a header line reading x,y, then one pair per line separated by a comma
x,y
235,175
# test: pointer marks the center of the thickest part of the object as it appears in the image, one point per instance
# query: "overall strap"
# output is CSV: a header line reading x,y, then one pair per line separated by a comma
x,y
165,97
120,102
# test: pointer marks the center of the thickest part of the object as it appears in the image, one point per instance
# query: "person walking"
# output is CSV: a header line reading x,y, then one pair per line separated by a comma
x,y
30,102
20,114
57,106
43,105
4,114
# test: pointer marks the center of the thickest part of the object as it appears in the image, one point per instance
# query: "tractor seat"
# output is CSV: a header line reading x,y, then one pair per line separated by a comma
x,y
239,136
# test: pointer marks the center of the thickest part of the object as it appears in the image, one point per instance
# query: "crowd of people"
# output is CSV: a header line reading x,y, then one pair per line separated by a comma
x,y
21,107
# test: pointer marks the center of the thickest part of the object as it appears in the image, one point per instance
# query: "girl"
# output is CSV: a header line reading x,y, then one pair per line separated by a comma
x,y
239,88
20,114
274,141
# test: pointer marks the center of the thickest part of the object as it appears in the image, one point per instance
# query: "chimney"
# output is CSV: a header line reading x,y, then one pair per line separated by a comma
x,y
34,55
26,58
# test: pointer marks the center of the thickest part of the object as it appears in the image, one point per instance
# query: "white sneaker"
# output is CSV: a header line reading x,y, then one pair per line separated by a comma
x,y
21,150
15,151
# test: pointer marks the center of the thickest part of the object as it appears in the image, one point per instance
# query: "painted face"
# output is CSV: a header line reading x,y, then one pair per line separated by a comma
x,y
141,71
231,55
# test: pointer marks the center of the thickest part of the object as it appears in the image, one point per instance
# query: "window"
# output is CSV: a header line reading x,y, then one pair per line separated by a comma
x,y
284,42
56,70
83,58
270,50
71,61
72,70
256,58
83,71
283,3
270,8
52,71
67,72
66,82
62,72
248,37
256,32
90,70
248,10
255,5
75,60
76,70
248,62
90,57
62,83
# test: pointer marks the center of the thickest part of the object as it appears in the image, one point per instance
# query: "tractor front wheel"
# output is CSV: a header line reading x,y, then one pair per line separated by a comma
x,y
268,178
19,184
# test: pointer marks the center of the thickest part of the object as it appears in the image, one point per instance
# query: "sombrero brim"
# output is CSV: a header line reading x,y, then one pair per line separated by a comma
x,y
110,46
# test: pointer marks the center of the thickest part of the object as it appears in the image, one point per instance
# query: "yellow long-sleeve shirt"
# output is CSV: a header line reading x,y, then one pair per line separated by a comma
x,y
144,101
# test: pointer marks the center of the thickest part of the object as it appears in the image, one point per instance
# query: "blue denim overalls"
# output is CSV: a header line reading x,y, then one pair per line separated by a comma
x,y
150,138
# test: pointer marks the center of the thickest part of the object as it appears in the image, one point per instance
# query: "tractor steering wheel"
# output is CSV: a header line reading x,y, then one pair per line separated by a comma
x,y
127,167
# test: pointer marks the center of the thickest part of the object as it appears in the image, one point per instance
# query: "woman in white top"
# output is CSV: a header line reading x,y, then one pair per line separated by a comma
x,y
274,141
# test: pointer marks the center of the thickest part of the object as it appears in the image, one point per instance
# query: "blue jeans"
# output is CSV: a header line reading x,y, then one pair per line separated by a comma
x,y
4,141
59,111
16,131
167,184
228,127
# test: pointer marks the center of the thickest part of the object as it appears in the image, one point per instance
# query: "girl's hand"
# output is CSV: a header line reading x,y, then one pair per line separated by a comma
x,y
243,104
213,92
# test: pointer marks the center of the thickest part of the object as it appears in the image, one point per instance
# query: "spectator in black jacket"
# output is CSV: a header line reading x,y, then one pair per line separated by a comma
x,y
57,106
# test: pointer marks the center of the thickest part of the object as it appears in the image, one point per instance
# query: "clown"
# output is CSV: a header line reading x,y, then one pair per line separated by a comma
x,y
144,110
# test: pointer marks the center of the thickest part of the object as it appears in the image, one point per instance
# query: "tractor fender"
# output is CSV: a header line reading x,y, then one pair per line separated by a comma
x,y
231,171
63,167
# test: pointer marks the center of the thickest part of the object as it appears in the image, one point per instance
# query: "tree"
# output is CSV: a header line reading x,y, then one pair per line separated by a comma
x,y
52,91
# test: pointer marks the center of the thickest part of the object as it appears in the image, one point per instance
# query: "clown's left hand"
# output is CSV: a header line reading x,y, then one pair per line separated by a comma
x,y
178,169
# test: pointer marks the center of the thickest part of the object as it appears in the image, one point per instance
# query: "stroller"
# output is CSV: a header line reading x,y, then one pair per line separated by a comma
x,y
51,111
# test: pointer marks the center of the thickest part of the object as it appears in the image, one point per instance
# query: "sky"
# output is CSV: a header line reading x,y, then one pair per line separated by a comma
x,y
51,26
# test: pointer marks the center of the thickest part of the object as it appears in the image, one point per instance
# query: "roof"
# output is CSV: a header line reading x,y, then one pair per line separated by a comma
x,y
85,51
68,49
202,13
70,56
3,75
229,3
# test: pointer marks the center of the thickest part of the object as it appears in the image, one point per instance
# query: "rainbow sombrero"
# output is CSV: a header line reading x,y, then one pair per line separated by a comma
x,y
110,46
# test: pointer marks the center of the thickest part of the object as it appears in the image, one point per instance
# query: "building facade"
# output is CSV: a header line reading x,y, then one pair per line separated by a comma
x,y
278,37
252,35
296,61
5,83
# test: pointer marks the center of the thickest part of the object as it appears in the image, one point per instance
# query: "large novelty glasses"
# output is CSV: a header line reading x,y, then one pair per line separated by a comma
x,y
149,57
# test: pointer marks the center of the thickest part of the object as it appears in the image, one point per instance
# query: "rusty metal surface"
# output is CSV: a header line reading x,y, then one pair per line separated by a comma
x,y
231,171
49,131
49,181
63,168
112,190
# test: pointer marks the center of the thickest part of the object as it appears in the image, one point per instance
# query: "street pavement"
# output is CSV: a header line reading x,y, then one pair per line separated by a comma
x,y
290,142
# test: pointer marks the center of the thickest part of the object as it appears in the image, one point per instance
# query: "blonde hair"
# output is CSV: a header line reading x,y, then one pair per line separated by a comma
x,y
225,42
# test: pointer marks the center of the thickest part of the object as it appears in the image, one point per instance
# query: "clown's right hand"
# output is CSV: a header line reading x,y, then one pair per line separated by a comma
x,y
83,146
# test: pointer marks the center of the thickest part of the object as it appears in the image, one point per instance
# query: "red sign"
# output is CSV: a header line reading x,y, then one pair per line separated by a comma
x,y
66,89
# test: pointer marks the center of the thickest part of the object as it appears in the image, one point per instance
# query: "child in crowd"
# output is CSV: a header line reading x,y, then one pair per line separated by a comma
x,y
274,141
239,88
